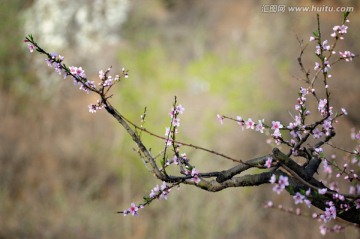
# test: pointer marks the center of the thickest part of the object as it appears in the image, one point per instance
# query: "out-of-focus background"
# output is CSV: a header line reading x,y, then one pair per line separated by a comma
x,y
65,172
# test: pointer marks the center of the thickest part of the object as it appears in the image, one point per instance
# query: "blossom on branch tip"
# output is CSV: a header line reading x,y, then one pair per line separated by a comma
x,y
317,66
272,179
277,133
133,210
357,203
316,133
180,109
195,175
240,121
283,181
176,122
250,124
101,74
322,105
298,198
276,125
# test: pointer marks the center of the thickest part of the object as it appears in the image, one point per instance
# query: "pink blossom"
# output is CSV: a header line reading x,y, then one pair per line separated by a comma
x,y
163,186
297,120
318,150
322,190
326,65
347,55
343,29
282,183
312,38
133,209
303,91
80,72
327,125
249,124
154,191
316,133
325,45
357,136
269,204
164,195
73,70
92,108
339,29
327,167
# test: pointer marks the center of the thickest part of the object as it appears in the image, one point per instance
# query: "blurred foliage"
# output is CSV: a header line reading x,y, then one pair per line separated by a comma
x,y
64,173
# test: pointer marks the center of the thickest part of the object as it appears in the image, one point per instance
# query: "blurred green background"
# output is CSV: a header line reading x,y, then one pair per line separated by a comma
x,y
64,172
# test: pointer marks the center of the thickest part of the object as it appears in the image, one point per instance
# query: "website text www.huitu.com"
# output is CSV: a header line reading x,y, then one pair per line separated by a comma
x,y
275,8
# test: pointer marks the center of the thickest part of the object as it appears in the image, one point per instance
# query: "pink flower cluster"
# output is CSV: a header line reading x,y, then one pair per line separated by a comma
x,y
133,210
106,82
175,123
160,192
30,46
78,74
282,182
339,31
94,107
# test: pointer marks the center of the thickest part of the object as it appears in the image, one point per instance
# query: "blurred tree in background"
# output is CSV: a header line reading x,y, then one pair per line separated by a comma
x,y
64,173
